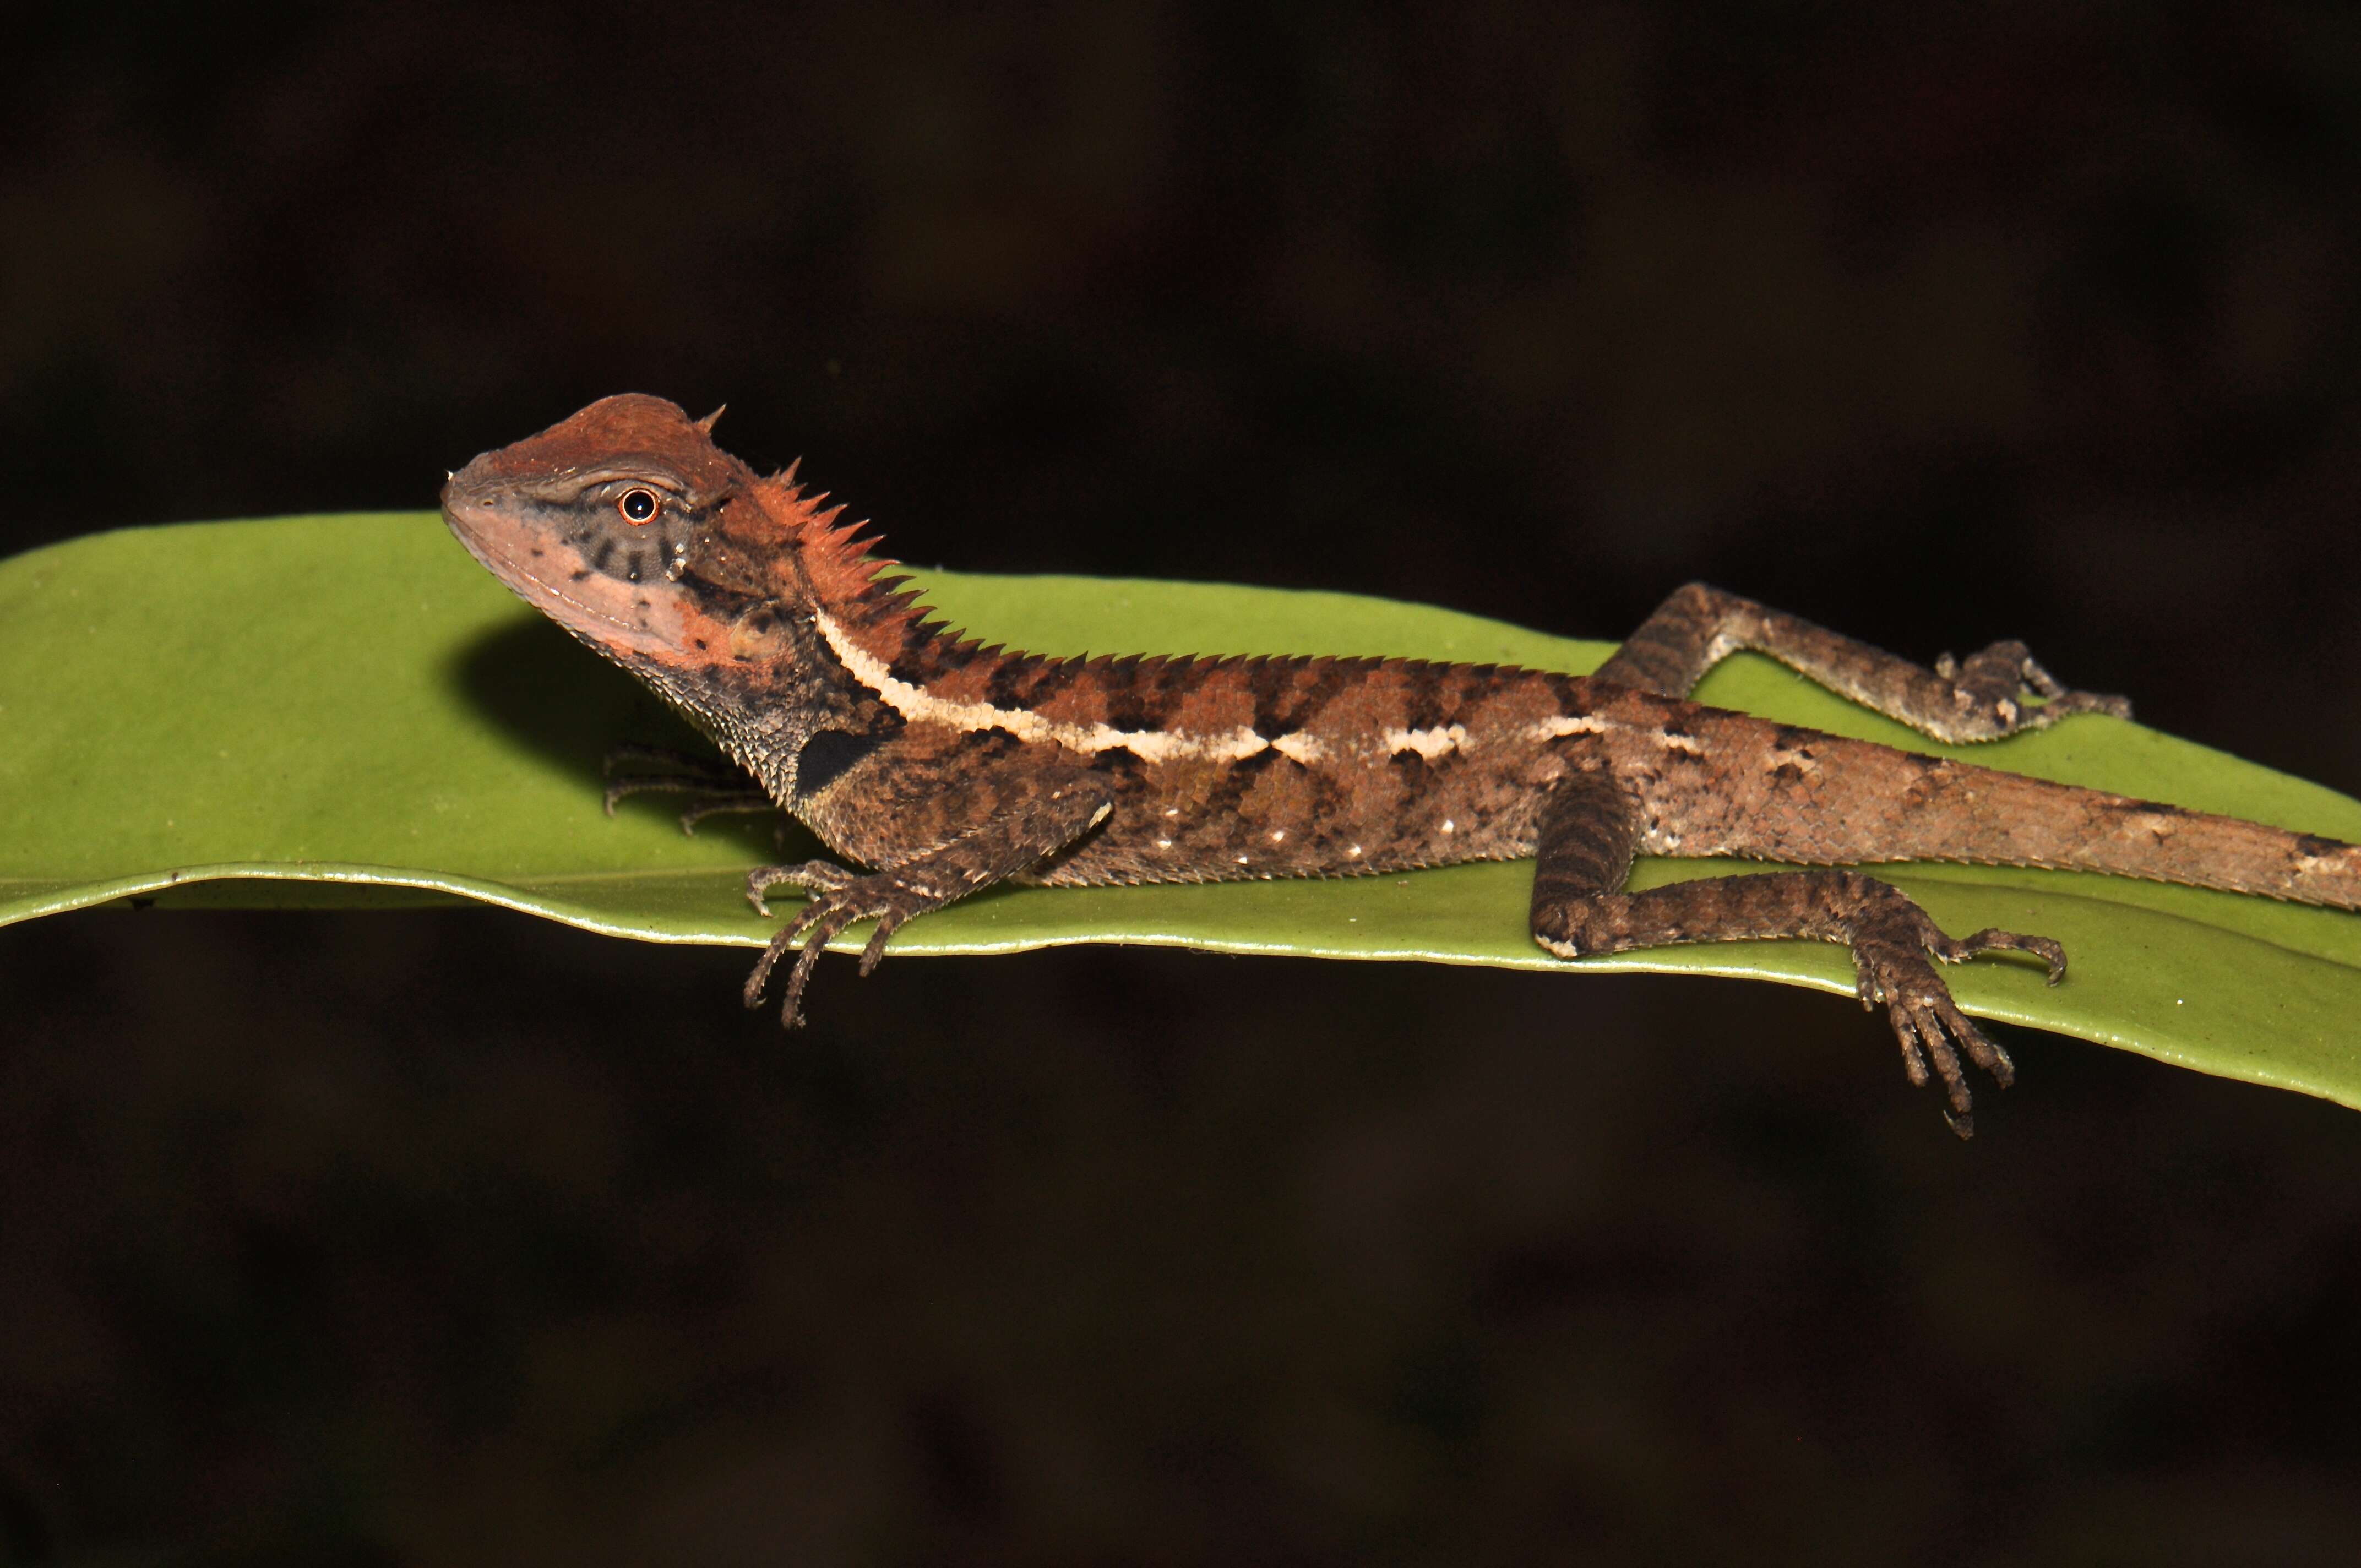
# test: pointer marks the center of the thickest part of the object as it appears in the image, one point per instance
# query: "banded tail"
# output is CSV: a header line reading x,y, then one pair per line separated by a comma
x,y
1799,794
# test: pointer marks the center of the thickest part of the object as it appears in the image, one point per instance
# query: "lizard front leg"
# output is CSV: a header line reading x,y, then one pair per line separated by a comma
x,y
1057,810
632,769
1997,692
1590,831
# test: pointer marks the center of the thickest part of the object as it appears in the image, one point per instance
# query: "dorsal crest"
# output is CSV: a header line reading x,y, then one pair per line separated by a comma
x,y
836,556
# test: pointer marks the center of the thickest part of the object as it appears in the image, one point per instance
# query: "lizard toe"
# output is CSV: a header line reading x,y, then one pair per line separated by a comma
x,y
815,876
819,914
2058,701
1993,941
887,923
1914,1052
761,975
1921,1027
824,930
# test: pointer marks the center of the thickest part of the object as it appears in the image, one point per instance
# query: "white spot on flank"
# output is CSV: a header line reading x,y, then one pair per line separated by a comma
x,y
1687,743
1171,811
1242,860
1567,724
917,704
1353,853
1427,743
1448,824
1164,844
1278,834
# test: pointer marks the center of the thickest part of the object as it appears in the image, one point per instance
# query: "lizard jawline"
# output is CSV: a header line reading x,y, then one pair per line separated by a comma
x,y
645,621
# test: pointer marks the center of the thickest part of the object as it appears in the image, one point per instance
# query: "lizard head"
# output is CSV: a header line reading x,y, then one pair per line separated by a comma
x,y
628,526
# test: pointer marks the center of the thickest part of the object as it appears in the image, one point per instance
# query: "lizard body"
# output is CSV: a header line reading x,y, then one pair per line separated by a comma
x,y
947,766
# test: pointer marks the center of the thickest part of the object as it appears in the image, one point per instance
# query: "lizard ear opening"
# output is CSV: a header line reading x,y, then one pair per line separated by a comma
x,y
706,424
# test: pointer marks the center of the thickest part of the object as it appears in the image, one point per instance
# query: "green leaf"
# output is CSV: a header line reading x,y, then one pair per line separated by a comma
x,y
347,710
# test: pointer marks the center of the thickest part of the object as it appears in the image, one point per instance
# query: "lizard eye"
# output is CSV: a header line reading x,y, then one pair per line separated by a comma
x,y
637,506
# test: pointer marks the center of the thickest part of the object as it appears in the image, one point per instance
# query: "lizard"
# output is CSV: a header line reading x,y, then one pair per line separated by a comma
x,y
945,766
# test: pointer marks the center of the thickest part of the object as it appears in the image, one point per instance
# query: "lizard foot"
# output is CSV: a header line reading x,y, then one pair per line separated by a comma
x,y
1892,940
843,898
723,789
1895,944
2003,689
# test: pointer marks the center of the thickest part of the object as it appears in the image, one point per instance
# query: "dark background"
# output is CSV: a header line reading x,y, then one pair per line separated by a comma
x,y
456,1237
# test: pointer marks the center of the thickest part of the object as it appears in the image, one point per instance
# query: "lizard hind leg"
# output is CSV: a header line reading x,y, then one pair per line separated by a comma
x,y
1589,832
1997,692
1894,943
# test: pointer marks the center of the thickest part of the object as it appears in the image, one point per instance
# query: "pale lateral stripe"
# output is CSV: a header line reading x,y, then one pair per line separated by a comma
x,y
918,705
1427,743
1568,724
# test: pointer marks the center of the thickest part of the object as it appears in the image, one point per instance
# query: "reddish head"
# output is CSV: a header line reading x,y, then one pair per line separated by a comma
x,y
628,526
595,520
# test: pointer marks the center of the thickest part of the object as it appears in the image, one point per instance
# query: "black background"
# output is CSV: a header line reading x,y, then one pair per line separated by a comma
x,y
454,1237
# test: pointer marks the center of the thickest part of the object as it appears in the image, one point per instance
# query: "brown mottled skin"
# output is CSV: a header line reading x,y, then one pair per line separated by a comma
x,y
946,767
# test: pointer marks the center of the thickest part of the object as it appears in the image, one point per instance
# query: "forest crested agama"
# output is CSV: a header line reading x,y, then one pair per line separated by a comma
x,y
945,766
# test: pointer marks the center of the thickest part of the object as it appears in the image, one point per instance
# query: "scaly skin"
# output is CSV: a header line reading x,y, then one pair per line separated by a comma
x,y
946,767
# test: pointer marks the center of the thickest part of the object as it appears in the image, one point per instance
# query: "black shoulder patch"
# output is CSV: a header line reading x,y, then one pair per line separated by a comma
x,y
827,753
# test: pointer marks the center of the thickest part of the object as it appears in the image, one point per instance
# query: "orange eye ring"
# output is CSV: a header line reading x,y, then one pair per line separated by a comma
x,y
638,505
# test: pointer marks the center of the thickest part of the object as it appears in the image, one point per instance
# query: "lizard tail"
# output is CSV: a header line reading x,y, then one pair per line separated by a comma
x,y
1826,800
